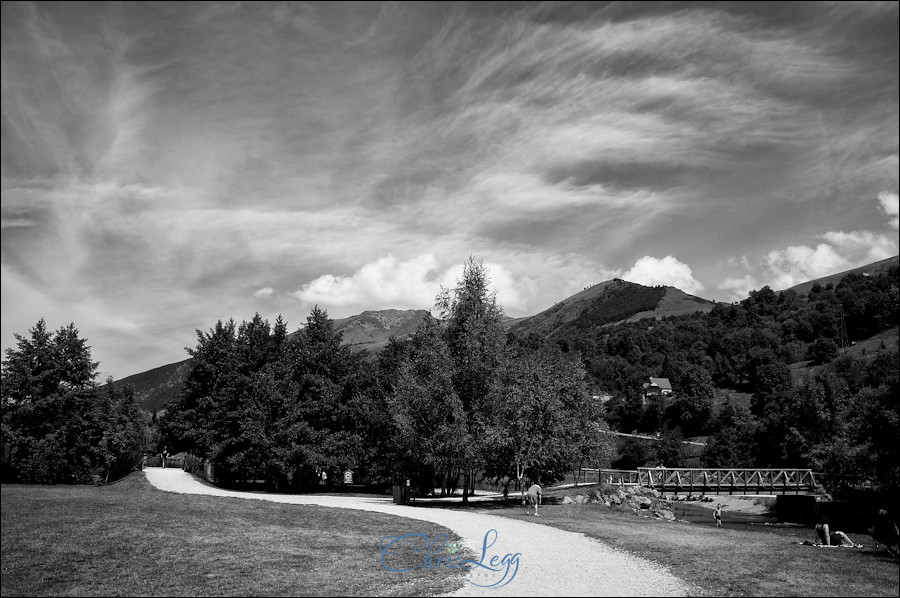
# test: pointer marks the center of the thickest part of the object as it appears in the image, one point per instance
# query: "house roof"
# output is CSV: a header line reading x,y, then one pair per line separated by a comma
x,y
662,383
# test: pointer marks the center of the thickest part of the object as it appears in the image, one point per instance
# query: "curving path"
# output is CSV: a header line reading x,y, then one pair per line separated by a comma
x,y
552,562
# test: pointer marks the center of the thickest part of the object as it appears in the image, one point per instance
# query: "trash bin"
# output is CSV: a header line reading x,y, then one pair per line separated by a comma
x,y
401,495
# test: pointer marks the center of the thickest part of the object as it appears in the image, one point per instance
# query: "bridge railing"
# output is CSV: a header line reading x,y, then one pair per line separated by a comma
x,y
728,480
608,476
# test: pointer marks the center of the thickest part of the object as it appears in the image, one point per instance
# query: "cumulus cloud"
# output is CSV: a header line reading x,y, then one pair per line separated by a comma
x,y
264,292
406,284
862,245
387,282
800,263
843,251
840,251
739,288
890,204
667,271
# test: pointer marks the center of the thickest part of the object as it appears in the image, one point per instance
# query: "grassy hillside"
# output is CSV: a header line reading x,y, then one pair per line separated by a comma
x,y
871,269
609,303
371,330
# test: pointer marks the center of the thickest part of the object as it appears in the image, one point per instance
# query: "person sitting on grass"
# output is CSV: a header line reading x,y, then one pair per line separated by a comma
x,y
827,537
884,531
533,497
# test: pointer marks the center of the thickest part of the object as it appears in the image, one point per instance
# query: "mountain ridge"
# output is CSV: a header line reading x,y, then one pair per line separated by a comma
x,y
609,303
875,267
600,305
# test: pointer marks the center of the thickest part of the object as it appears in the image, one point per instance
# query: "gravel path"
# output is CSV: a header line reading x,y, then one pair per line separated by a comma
x,y
551,562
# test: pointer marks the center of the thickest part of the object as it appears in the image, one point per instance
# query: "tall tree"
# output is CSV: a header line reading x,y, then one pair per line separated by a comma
x,y
476,339
523,421
57,426
431,422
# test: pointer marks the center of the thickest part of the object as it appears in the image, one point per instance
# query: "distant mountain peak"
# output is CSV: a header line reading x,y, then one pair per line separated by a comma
x,y
611,302
372,329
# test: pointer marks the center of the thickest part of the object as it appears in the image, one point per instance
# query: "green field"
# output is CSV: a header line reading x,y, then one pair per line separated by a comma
x,y
131,539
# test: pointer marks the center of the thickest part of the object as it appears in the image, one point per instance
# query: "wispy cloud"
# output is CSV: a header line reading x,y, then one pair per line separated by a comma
x,y
165,165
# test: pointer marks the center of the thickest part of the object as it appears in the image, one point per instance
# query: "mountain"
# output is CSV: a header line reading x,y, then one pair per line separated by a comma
x,y
611,302
870,269
604,304
371,330
154,388
368,331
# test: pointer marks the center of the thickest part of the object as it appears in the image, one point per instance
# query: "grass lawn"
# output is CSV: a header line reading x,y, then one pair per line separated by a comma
x,y
744,558
131,539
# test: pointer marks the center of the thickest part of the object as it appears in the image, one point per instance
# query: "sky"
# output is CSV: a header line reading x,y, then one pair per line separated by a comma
x,y
168,165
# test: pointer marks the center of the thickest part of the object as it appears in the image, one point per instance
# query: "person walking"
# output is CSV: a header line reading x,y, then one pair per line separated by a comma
x,y
533,497
718,515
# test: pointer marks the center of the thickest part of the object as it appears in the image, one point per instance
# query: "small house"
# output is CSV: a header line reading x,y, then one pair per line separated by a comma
x,y
656,388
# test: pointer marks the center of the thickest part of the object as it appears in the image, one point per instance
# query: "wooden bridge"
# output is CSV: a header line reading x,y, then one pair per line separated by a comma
x,y
728,481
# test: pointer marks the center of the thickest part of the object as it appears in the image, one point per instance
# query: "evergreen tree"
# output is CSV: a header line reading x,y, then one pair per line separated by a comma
x,y
57,426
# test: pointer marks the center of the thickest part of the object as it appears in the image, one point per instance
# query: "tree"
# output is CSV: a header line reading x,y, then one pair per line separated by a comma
x,y
329,382
431,423
633,453
57,426
692,406
476,339
670,448
732,442
46,364
585,441
523,421
122,430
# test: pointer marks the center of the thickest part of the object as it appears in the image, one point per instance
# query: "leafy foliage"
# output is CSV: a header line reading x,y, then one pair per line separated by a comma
x,y
58,426
262,404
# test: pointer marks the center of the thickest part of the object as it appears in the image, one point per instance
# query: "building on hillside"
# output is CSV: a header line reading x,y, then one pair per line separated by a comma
x,y
656,389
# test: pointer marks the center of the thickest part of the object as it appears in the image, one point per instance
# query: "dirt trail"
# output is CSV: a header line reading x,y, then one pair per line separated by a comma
x,y
550,562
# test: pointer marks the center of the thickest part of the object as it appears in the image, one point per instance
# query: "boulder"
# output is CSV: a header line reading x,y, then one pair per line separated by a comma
x,y
567,500
665,514
596,495
644,502
615,499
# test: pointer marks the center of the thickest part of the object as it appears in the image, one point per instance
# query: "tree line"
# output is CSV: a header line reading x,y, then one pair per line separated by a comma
x,y
457,400
839,416
462,398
